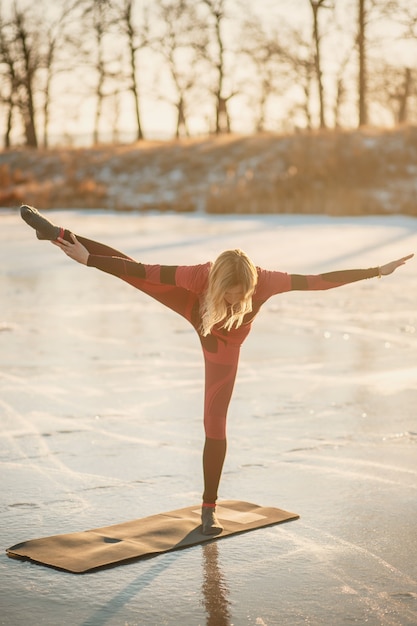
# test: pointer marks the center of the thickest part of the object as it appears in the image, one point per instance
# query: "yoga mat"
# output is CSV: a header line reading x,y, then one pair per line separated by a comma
x,y
87,550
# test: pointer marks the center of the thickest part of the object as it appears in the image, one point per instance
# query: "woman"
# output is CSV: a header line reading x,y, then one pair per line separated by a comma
x,y
220,300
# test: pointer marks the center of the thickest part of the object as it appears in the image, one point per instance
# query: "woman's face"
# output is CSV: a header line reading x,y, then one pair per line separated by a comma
x,y
234,295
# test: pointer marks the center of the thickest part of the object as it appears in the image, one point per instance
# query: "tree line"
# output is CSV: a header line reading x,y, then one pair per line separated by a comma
x,y
320,64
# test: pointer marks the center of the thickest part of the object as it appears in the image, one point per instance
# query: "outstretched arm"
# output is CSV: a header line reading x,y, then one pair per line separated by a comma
x,y
330,280
193,278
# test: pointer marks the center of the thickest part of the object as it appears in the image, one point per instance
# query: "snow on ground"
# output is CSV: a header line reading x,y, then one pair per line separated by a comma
x,y
100,413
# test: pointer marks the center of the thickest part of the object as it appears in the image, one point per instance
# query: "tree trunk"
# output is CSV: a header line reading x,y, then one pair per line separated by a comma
x,y
363,112
29,117
135,92
403,108
46,108
222,117
317,60
99,90
181,127
9,123
27,102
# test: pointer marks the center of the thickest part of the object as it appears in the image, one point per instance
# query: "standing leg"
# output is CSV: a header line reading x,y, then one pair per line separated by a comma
x,y
221,362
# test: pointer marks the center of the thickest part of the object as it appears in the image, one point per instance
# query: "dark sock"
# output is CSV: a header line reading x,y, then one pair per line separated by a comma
x,y
213,458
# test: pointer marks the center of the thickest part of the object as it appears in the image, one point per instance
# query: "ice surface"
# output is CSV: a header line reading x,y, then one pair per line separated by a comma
x,y
100,413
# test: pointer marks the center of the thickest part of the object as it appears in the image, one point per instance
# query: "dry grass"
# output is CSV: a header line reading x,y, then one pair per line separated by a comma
x,y
339,173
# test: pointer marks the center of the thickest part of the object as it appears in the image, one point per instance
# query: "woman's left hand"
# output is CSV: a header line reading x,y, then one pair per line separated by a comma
x,y
389,268
74,250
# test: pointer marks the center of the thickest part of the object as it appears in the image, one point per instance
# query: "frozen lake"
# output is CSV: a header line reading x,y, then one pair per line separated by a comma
x,y
100,413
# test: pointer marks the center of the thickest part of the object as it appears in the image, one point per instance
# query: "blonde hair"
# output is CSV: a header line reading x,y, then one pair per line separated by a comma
x,y
231,269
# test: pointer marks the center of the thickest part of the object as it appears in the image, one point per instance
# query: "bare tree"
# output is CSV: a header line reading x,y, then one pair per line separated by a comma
x,y
401,96
371,13
408,89
20,40
306,74
31,62
402,88
392,88
9,78
271,68
56,40
316,5
98,20
31,45
362,78
341,90
99,12
302,68
175,44
137,39
217,14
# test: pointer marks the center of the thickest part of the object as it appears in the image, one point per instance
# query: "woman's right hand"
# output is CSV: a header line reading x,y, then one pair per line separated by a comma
x,y
75,250
389,268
